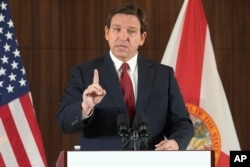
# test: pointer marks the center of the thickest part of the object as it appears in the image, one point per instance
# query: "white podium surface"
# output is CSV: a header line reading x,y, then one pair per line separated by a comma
x,y
139,159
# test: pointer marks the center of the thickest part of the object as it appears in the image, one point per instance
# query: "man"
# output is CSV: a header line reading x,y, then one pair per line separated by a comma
x,y
93,98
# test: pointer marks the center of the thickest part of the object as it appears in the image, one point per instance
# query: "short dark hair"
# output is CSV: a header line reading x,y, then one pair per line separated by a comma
x,y
129,9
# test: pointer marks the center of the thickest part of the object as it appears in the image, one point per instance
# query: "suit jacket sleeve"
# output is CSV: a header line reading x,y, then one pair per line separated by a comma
x,y
70,112
179,125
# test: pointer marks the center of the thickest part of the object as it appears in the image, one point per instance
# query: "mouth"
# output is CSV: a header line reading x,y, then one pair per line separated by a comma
x,y
121,46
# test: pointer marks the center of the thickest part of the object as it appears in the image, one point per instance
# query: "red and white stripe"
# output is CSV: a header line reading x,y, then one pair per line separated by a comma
x,y
191,54
20,138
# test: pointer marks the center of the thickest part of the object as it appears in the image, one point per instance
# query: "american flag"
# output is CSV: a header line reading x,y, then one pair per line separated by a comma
x,y
20,138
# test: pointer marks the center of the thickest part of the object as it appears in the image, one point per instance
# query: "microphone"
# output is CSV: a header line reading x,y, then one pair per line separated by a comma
x,y
143,131
123,129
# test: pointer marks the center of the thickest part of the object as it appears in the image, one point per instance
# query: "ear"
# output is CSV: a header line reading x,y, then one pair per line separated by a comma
x,y
106,32
143,38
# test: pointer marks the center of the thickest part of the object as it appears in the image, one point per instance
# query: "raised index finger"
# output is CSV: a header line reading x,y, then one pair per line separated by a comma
x,y
96,77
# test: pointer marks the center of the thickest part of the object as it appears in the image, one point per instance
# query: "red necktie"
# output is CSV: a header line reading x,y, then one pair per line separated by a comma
x,y
127,90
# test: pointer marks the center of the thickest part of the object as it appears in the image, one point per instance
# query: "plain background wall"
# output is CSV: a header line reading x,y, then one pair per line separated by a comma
x,y
54,35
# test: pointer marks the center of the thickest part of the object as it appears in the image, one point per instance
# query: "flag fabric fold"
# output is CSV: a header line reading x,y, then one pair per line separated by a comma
x,y
190,52
20,138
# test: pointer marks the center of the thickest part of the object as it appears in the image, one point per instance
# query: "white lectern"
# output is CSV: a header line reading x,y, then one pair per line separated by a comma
x,y
135,158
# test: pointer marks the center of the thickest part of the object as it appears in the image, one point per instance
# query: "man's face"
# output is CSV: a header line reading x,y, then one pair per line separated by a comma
x,y
124,36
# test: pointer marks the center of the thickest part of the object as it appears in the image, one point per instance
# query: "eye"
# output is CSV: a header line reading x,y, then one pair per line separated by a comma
x,y
116,29
131,31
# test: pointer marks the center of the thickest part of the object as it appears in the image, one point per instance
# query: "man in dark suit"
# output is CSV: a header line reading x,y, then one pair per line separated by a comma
x,y
93,98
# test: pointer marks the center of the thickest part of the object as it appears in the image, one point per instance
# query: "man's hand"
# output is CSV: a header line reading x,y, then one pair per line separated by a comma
x,y
92,95
167,145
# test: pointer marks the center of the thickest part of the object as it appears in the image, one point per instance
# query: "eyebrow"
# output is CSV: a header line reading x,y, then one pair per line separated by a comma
x,y
117,25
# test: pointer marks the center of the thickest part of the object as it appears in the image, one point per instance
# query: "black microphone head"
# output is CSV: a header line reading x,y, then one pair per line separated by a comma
x,y
141,123
123,129
122,119
141,119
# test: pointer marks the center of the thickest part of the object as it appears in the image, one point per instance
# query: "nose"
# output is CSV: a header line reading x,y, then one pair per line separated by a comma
x,y
123,35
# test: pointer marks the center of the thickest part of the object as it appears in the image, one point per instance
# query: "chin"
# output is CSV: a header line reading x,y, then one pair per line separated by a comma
x,y
120,54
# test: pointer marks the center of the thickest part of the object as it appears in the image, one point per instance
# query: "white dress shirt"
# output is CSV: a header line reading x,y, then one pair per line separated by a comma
x,y
133,70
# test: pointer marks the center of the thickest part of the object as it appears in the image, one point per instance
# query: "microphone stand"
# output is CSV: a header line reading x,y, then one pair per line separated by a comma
x,y
138,134
135,139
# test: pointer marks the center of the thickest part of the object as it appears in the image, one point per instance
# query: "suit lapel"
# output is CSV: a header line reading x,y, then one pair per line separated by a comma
x,y
146,75
110,80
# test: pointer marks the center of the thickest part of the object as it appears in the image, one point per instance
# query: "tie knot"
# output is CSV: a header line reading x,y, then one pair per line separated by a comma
x,y
125,67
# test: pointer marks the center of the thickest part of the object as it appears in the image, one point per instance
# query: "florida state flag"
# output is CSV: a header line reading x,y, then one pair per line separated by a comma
x,y
190,53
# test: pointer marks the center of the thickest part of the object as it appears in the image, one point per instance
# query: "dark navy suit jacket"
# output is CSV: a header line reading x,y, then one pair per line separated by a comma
x,y
158,97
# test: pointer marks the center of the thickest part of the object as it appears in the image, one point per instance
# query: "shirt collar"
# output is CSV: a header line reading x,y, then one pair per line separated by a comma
x,y
132,62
